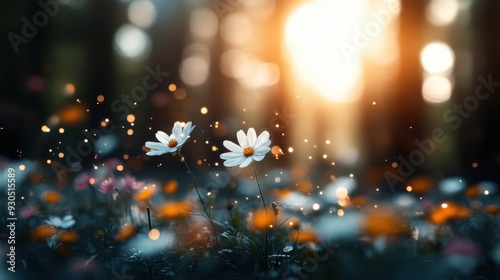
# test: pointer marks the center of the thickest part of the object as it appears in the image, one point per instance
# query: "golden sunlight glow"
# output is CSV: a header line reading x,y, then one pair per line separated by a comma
x,y
437,58
442,12
203,23
194,70
142,13
236,29
436,89
313,34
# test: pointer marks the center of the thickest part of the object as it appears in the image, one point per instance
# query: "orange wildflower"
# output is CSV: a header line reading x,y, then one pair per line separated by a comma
x,y
492,209
43,232
72,114
420,185
125,233
282,193
51,197
144,194
447,212
473,191
262,220
303,236
305,186
293,223
68,237
359,201
383,222
174,210
171,187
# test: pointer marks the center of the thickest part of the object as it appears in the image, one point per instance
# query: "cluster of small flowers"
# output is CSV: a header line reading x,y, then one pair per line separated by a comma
x,y
127,183
109,184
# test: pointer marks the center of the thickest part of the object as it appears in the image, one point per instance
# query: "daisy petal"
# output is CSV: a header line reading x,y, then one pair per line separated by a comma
x,y
258,157
185,133
67,218
176,131
245,163
251,136
263,137
68,224
155,145
265,145
188,128
232,146
242,139
262,150
155,153
181,141
234,162
230,155
162,137
172,150
56,221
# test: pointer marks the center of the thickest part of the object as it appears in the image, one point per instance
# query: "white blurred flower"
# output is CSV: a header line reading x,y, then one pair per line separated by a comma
x,y
250,148
66,222
287,249
170,144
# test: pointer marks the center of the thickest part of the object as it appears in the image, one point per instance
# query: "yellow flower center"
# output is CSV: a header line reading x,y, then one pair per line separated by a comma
x,y
172,143
248,151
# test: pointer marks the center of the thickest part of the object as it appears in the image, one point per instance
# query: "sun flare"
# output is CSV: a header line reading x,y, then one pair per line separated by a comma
x,y
314,33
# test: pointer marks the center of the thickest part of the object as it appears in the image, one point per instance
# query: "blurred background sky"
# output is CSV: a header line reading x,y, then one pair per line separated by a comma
x,y
344,86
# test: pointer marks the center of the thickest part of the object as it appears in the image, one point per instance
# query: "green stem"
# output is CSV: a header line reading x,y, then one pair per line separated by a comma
x,y
274,239
278,227
258,185
294,245
263,203
199,195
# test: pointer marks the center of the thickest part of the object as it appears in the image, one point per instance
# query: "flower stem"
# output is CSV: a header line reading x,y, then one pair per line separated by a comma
x,y
276,257
294,245
149,219
263,203
258,185
199,195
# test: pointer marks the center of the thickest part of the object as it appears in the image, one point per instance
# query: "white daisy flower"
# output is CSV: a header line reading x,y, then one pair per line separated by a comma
x,y
66,222
170,144
251,148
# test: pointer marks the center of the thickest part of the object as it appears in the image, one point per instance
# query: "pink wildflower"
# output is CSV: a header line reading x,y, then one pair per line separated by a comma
x,y
107,185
